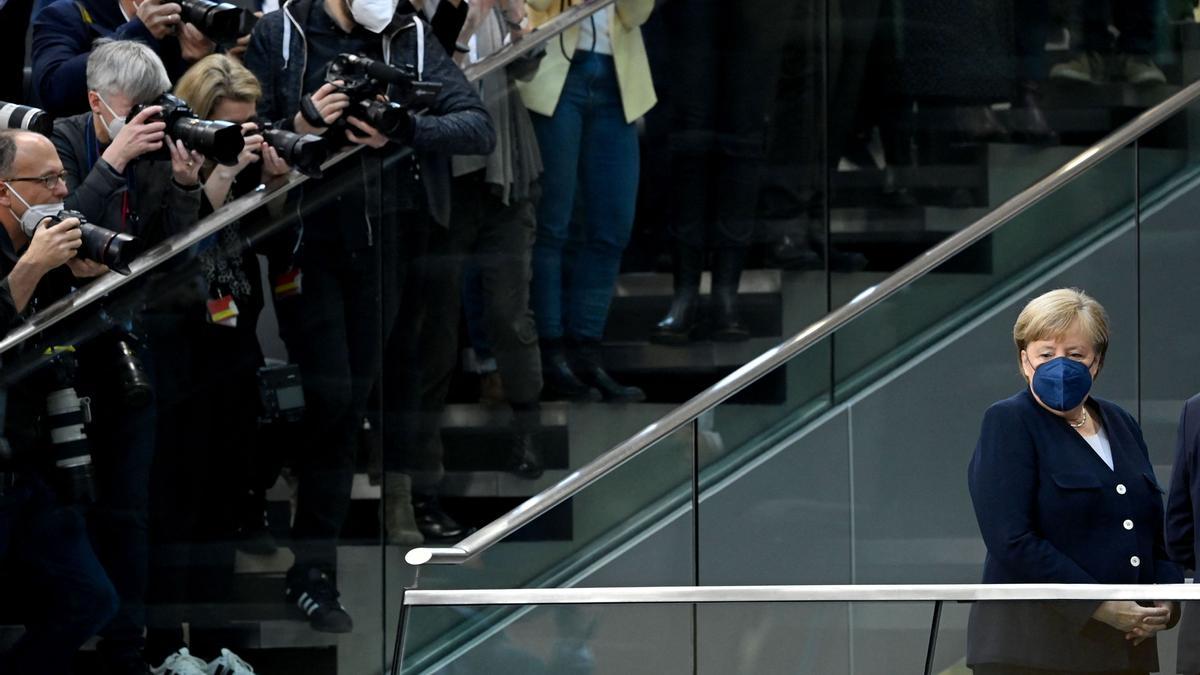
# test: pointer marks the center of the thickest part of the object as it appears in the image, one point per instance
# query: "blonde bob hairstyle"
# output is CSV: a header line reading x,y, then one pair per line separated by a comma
x,y
214,78
1053,314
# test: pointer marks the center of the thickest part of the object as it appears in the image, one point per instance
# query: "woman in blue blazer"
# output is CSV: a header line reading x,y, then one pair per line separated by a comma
x,y
1064,492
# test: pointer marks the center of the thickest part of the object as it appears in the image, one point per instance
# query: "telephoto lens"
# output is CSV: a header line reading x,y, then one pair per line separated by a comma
x,y
217,140
388,117
220,22
13,116
102,245
65,420
306,152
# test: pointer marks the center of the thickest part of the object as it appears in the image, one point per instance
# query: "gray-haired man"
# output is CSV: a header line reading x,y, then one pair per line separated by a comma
x,y
115,185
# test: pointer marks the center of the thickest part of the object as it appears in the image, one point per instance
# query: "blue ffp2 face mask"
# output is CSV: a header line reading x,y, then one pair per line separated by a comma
x,y
1062,383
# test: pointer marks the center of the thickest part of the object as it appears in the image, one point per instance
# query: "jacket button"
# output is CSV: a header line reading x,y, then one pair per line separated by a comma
x,y
1120,488
1128,524
1135,561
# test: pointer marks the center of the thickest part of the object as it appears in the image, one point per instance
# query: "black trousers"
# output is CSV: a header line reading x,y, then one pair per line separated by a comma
x,y
1003,669
14,22
499,239
724,87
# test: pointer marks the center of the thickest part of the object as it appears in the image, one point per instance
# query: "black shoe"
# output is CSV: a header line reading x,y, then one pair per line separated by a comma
x,y
317,599
979,124
523,458
559,382
794,253
432,521
1029,124
585,361
676,327
253,529
727,326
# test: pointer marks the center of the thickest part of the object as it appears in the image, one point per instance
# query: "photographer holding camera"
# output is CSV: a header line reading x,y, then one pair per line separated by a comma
x,y
63,593
355,248
119,180
65,33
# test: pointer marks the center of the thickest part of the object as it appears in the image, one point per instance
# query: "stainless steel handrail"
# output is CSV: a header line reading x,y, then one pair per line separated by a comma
x,y
244,205
813,593
819,330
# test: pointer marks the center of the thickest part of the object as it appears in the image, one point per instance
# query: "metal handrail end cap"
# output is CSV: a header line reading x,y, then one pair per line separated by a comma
x,y
444,556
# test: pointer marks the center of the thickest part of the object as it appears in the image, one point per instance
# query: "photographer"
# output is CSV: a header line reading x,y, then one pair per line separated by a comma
x,y
117,185
65,33
356,250
63,594
111,180
211,484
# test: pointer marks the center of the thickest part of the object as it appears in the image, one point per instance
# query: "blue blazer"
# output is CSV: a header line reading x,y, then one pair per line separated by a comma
x,y
1051,511
1183,510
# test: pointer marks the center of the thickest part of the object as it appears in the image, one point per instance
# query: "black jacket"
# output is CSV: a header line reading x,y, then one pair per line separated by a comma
x,y
157,206
63,34
1051,511
457,123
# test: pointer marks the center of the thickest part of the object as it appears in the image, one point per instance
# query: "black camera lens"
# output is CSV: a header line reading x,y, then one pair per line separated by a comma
x,y
66,420
388,118
13,116
216,140
306,152
132,380
219,21
115,249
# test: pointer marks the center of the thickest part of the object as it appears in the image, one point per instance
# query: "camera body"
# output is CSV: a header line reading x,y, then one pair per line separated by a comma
x,y
305,152
363,80
28,118
220,22
102,245
217,140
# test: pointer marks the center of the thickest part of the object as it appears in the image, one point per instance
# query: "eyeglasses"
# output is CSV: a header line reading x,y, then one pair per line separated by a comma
x,y
48,181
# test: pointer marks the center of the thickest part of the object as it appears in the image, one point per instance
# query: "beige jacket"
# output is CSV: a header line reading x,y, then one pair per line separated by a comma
x,y
629,56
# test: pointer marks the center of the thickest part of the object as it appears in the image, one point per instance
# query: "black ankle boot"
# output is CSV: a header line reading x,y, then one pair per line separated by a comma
x,y
727,326
524,460
1029,122
585,361
676,327
432,521
559,382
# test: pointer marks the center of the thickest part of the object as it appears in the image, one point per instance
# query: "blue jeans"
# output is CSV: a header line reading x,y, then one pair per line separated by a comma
x,y
590,155
64,594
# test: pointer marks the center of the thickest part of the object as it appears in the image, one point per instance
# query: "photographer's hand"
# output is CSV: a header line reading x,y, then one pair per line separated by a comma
x,y
273,164
159,18
238,51
185,165
86,269
50,247
219,183
329,104
193,46
372,139
135,139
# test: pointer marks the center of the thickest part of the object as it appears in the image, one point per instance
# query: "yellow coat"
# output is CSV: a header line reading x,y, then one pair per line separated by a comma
x,y
541,94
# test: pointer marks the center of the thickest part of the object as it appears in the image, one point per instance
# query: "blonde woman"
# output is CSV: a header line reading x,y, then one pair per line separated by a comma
x,y
590,89
1064,492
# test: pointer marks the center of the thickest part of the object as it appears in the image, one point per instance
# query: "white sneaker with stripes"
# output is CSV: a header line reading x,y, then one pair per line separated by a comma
x,y
229,663
181,663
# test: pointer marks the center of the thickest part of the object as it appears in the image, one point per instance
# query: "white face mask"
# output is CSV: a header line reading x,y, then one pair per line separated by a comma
x,y
117,122
374,15
34,213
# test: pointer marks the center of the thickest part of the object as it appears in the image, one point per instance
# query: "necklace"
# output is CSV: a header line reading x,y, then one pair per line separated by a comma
x,y
1082,420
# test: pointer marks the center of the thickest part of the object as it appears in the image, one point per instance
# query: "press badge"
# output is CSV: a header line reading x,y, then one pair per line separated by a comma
x,y
288,283
223,311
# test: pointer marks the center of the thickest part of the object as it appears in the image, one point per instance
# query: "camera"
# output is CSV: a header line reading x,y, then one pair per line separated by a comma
x,y
281,392
220,22
13,116
306,152
216,140
363,80
102,245
66,418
